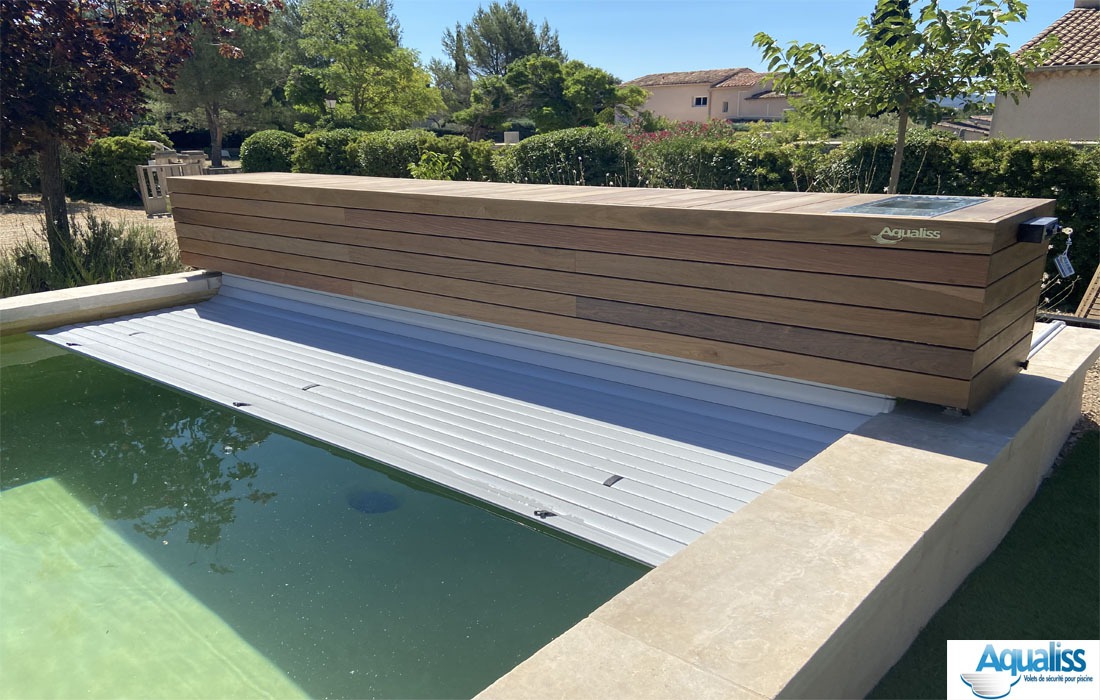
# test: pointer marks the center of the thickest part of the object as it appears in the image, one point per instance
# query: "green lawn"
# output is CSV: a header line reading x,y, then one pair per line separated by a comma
x,y
1042,581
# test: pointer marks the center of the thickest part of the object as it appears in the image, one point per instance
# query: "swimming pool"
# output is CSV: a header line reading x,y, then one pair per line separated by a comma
x,y
339,576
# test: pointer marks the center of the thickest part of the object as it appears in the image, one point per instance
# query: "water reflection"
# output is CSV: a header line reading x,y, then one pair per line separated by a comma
x,y
163,461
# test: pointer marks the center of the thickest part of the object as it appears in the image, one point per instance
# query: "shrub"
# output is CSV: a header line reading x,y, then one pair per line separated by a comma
x,y
102,251
269,151
333,152
1048,169
436,166
147,132
389,153
475,158
928,164
107,169
582,156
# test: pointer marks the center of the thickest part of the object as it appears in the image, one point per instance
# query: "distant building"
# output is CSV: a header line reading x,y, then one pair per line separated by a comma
x,y
1065,89
734,94
973,128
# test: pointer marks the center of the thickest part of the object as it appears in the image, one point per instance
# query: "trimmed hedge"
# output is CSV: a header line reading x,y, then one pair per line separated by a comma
x,y
107,169
389,153
582,156
334,152
269,151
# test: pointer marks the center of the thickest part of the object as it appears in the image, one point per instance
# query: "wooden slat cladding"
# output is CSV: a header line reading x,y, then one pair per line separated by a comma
x,y
767,281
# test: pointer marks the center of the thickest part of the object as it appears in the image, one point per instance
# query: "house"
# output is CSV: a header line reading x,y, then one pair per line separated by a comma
x,y
735,94
973,128
1065,90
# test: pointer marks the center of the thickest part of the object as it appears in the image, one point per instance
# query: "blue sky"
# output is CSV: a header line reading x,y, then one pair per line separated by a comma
x,y
631,38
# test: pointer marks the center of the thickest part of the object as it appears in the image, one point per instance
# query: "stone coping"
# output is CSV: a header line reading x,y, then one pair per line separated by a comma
x,y
817,587
32,312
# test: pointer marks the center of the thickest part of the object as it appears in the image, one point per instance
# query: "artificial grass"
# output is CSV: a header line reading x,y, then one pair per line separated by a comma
x,y
1042,582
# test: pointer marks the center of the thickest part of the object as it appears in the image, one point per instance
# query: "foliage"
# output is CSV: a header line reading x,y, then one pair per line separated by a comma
x,y
474,157
1048,169
494,39
102,251
909,63
492,103
334,152
377,83
498,36
583,156
436,166
390,153
147,132
72,70
928,165
107,169
268,151
557,94
452,77
221,89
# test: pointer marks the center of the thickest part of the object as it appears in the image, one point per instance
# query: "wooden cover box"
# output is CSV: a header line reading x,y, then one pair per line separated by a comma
x,y
937,309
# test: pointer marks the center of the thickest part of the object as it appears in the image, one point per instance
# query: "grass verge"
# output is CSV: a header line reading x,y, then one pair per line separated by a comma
x,y
1042,582
102,251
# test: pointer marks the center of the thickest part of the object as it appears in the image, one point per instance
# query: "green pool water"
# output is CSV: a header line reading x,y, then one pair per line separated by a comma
x,y
230,557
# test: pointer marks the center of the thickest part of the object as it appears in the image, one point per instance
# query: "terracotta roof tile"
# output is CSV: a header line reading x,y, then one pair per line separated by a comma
x,y
1078,33
743,78
712,78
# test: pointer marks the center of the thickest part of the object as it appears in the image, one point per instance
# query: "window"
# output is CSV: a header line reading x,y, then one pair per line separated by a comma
x,y
700,102
725,107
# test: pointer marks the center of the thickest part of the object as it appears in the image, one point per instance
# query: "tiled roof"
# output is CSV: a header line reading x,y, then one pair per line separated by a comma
x,y
768,95
743,78
720,77
1078,33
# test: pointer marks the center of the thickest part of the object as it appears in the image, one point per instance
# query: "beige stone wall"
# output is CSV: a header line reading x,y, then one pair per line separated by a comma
x,y
676,102
1064,104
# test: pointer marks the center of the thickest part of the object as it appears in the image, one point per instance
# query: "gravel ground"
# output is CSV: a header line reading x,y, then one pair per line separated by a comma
x,y
21,222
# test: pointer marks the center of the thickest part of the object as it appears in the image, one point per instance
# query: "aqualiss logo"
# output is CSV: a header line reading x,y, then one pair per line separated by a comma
x,y
891,236
1024,668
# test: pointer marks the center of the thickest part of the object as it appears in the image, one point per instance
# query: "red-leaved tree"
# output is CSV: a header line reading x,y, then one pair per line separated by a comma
x,y
70,69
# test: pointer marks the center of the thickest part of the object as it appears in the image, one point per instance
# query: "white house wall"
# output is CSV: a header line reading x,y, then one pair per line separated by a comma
x,y
1064,104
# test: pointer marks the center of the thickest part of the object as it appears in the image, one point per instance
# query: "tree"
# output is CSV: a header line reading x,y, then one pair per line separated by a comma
x,y
221,87
561,95
71,69
502,34
376,83
452,77
494,39
908,65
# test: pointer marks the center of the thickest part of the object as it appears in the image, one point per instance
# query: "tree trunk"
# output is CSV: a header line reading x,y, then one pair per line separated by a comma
x,y
899,151
213,121
53,203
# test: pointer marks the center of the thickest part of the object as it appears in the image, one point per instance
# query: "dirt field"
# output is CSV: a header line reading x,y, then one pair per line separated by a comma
x,y
24,221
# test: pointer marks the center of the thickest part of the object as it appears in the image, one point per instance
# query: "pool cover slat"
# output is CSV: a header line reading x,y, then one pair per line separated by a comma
x,y
526,422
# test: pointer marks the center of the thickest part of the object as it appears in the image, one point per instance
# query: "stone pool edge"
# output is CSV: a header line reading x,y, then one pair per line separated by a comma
x,y
817,587
35,312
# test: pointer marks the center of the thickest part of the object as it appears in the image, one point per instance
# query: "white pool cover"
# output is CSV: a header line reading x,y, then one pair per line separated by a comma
x,y
632,451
